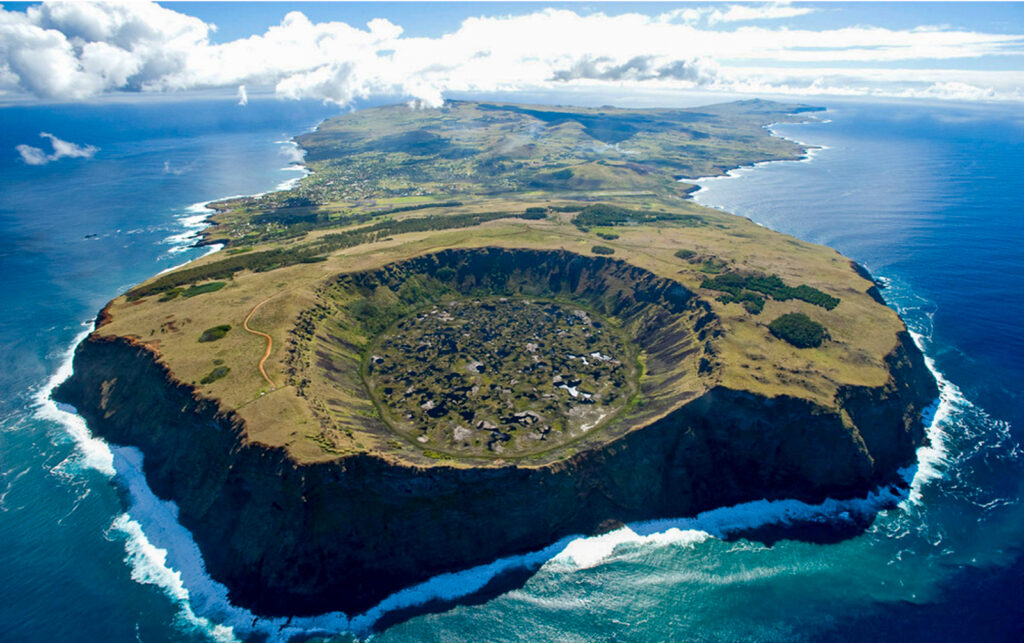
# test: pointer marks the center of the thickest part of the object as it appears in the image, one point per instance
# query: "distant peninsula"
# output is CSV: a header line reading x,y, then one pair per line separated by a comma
x,y
474,330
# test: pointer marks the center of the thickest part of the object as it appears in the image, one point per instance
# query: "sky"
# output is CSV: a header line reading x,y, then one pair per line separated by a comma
x,y
344,52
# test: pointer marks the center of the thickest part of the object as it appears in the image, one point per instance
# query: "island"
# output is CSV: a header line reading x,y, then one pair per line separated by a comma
x,y
474,330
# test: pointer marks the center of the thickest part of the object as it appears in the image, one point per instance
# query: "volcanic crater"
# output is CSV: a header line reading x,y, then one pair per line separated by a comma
x,y
493,352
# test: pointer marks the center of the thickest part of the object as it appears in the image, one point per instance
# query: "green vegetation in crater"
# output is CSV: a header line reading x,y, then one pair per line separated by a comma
x,y
215,333
499,375
383,306
798,329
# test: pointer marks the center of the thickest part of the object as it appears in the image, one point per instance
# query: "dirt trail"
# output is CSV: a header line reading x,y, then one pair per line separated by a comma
x,y
270,341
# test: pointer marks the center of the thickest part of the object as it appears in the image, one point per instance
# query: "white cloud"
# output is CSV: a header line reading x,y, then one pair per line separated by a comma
x,y
32,155
741,13
71,51
956,84
699,71
243,96
61,149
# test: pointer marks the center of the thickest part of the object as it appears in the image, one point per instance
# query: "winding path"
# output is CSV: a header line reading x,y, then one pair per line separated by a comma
x,y
270,341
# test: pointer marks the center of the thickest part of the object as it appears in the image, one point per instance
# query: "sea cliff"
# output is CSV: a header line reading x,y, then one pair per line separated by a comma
x,y
290,538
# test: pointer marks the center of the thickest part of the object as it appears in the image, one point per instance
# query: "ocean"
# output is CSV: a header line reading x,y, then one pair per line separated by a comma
x,y
925,195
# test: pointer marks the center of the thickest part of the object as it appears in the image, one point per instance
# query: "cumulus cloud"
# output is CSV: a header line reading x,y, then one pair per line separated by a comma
x,y
243,96
77,50
71,51
61,149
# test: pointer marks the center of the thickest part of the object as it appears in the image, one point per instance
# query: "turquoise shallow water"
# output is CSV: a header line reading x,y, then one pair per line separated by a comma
x,y
925,196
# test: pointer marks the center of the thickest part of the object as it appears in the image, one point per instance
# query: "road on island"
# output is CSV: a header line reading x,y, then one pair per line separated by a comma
x,y
270,341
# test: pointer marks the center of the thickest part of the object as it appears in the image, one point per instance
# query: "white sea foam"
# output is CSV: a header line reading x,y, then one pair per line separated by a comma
x,y
149,567
932,458
288,184
193,220
93,451
720,523
10,478
210,249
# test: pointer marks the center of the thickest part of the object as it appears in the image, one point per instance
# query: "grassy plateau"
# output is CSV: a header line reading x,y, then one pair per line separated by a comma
x,y
484,283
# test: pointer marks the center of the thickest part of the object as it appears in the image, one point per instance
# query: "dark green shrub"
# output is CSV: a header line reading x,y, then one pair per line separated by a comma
x,y
736,283
603,214
602,250
753,304
814,296
215,333
213,286
685,254
215,375
798,329
608,236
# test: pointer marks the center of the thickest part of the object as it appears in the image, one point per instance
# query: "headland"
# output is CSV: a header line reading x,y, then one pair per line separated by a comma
x,y
491,326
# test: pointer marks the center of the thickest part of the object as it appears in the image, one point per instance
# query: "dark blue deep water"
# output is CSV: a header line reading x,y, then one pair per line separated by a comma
x,y
926,196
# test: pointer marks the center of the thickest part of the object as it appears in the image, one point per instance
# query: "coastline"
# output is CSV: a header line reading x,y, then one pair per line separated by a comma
x,y
811,151
163,553
182,576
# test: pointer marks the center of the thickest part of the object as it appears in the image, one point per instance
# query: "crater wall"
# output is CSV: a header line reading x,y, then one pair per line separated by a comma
x,y
658,318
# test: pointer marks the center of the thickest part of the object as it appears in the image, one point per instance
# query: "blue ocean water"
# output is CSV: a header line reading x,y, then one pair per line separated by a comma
x,y
63,566
925,195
